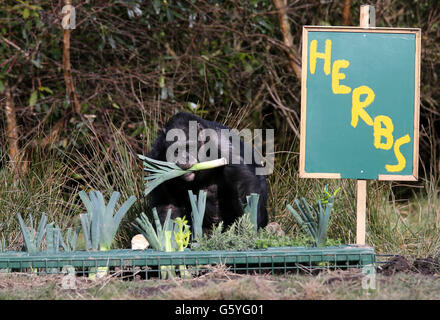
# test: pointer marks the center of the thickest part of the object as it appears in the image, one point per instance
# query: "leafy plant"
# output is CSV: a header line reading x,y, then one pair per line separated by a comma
x,y
267,239
314,220
198,206
159,239
183,233
71,238
161,171
252,208
99,224
333,242
327,195
53,236
239,236
54,239
33,238
182,237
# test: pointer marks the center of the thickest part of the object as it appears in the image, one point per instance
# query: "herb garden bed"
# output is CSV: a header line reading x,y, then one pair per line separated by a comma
x,y
147,263
242,247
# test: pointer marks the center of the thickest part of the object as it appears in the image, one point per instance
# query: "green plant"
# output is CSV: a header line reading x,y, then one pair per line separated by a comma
x,y
183,233
159,239
333,242
252,208
198,206
240,236
314,220
71,238
33,238
55,240
161,171
53,236
327,195
268,239
182,237
99,224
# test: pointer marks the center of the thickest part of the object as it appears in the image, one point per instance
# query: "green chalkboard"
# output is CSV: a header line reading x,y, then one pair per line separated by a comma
x,y
360,103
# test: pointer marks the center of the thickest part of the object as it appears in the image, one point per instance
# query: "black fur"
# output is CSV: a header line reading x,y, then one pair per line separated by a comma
x,y
227,187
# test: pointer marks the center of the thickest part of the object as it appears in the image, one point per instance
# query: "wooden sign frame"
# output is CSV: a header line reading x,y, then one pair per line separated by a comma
x,y
417,32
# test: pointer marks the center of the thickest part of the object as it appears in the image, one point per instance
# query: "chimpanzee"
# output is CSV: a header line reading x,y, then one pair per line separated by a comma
x,y
226,186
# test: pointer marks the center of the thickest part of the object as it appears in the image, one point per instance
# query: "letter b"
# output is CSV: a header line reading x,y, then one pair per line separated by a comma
x,y
386,132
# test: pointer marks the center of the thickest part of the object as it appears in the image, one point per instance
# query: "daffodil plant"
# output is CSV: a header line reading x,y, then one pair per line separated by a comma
x,y
182,237
183,233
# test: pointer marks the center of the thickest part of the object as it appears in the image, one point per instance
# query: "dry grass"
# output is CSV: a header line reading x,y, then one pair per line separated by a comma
x,y
220,284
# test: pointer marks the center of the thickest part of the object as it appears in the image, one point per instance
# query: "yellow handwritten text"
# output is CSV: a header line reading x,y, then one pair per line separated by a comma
x,y
336,76
401,161
327,55
386,132
362,97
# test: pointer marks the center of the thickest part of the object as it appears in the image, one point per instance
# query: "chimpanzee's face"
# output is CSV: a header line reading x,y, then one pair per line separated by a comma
x,y
185,156
182,147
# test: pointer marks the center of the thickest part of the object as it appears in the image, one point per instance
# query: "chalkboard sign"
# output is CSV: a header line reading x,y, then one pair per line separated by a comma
x,y
360,103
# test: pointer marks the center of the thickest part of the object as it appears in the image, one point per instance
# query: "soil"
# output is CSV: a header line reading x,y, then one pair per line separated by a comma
x,y
425,266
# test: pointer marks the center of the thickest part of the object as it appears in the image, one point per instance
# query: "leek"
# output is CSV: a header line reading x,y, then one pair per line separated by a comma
x,y
100,225
53,235
71,239
161,171
314,220
198,206
33,238
252,209
160,239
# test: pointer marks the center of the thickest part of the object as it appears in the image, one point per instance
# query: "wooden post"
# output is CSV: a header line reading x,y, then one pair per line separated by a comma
x,y
361,210
367,19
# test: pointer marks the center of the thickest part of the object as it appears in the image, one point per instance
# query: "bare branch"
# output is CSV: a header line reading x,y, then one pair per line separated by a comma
x,y
12,129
